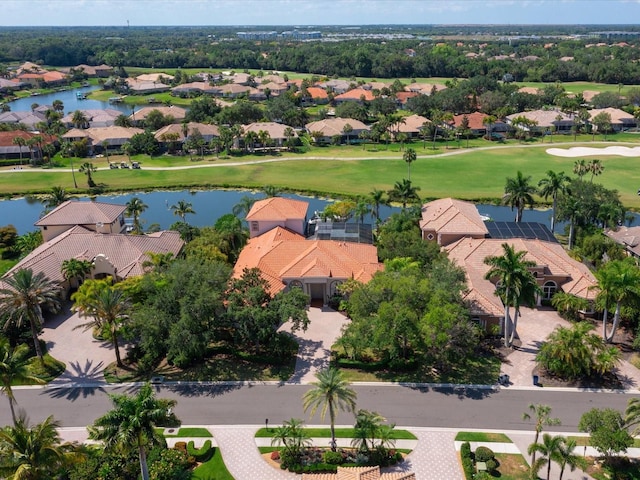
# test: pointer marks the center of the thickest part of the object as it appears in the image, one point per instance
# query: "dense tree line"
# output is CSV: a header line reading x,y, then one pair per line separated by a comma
x,y
182,47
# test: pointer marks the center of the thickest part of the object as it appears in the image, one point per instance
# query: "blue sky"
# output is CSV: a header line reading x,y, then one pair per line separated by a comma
x,y
315,12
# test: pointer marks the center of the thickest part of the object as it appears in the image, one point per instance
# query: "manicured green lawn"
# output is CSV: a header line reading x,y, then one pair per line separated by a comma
x,y
52,368
194,432
512,467
340,433
214,469
581,441
482,437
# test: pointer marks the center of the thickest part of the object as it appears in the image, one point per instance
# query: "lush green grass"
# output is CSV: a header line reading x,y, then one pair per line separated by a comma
x,y
340,433
51,369
193,432
214,469
482,437
582,441
6,264
437,176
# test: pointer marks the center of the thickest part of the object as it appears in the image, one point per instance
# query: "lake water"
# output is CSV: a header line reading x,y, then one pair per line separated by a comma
x,y
70,101
210,205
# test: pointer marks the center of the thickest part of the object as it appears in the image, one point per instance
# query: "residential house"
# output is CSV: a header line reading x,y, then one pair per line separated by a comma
x,y
411,125
620,120
628,237
359,95
143,87
95,118
178,113
545,120
98,71
208,132
274,88
99,217
287,259
155,77
477,125
8,149
335,86
31,119
314,96
115,137
424,88
49,78
445,222
359,473
233,90
403,97
195,87
10,85
330,127
276,131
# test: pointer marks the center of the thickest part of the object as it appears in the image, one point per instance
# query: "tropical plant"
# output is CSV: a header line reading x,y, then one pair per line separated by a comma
x,y
182,208
292,436
543,418
366,429
56,197
409,156
74,269
580,168
135,208
243,207
551,186
607,432
548,450
568,305
36,453
330,392
404,192
132,423
14,368
376,199
21,142
518,193
108,307
565,457
632,416
22,301
515,283
619,283
595,167
88,169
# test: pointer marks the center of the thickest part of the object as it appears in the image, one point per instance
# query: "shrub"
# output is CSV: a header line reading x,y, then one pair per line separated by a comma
x,y
482,476
275,455
171,464
202,454
492,465
181,447
484,454
467,461
332,458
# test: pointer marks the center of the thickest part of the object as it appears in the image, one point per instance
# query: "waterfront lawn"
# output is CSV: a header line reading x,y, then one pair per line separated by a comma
x,y
482,437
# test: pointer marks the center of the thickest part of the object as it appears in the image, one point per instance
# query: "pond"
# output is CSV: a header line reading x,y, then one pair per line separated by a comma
x,y
70,100
210,205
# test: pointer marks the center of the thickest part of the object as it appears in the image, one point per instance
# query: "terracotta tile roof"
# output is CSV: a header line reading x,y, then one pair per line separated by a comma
x,y
178,113
475,120
468,253
529,90
275,130
6,138
589,94
278,208
204,128
113,134
544,118
357,94
617,115
411,124
335,126
284,255
82,213
126,252
402,97
317,93
154,77
451,216
234,88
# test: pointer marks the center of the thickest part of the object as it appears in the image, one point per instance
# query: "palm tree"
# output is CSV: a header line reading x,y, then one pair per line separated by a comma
x,y
510,270
580,168
409,156
14,368
108,308
22,299
595,167
270,191
34,453
74,269
346,130
565,457
79,119
105,148
404,193
292,436
56,197
488,122
88,169
362,208
132,422
366,428
543,417
376,199
632,416
135,208
58,106
331,392
243,206
549,449
182,208
21,142
569,305
518,193
552,185
618,282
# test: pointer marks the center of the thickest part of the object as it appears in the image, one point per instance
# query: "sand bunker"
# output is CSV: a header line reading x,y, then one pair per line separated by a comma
x,y
591,151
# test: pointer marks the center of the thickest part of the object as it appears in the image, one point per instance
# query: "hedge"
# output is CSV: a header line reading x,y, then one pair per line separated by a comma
x,y
202,454
467,461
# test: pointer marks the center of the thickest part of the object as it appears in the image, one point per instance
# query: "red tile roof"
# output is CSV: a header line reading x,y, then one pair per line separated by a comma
x,y
475,120
356,94
82,213
278,208
451,216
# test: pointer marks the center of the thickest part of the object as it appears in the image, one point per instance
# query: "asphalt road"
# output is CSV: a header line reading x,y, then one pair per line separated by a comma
x,y
404,406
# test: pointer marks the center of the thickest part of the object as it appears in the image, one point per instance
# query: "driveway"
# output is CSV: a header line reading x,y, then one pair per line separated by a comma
x,y
85,357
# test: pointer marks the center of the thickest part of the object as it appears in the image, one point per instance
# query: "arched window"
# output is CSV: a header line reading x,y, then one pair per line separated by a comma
x,y
549,289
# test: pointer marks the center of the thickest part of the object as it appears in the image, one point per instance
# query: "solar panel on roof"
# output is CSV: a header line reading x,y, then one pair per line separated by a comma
x,y
529,230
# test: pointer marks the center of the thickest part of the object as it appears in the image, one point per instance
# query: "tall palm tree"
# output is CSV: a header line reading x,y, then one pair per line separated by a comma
x,y
362,208
618,282
34,452
404,192
132,422
551,186
409,156
292,436
366,428
543,417
243,206
331,392
510,270
580,168
376,199
88,169
632,416
182,208
595,167
107,308
135,208
22,300
548,449
270,191
565,456
21,142
518,193
56,197
79,119
14,368
74,269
